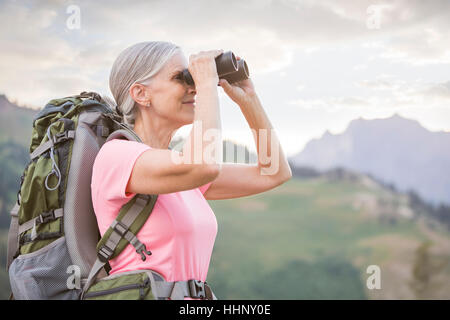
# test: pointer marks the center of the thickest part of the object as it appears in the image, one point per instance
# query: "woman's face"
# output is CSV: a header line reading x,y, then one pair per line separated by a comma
x,y
170,97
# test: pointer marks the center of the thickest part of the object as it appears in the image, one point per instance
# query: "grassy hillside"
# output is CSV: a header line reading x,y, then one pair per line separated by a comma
x,y
315,238
307,239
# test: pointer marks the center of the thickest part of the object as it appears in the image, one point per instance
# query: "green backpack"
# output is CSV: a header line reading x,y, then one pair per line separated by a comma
x,y
54,247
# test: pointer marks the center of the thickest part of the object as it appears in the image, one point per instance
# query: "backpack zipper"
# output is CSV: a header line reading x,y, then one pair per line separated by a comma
x,y
140,286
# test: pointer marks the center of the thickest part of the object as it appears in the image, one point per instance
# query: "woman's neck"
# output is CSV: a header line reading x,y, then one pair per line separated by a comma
x,y
152,134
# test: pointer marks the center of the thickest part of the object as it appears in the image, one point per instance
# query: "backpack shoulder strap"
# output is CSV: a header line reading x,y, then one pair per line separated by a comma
x,y
123,230
123,134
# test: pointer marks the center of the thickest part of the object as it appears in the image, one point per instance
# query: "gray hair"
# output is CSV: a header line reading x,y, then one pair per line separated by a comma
x,y
136,64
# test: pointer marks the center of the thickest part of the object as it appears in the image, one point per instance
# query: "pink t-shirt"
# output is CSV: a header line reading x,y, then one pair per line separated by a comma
x,y
180,231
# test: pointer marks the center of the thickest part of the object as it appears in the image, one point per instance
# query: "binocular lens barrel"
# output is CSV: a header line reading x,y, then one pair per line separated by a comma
x,y
239,75
228,67
226,63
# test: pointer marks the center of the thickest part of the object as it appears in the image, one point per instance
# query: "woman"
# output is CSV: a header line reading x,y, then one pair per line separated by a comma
x,y
146,84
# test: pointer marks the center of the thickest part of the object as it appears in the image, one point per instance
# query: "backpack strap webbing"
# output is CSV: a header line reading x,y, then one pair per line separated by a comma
x,y
42,218
174,290
122,231
124,228
13,235
60,137
179,289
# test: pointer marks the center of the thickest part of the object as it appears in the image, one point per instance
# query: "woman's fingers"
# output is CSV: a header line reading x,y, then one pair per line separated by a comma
x,y
210,53
224,84
202,66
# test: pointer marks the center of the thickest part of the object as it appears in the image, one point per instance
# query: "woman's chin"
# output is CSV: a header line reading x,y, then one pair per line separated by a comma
x,y
189,119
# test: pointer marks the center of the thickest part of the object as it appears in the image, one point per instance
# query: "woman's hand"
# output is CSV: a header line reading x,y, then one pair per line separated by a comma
x,y
202,67
241,92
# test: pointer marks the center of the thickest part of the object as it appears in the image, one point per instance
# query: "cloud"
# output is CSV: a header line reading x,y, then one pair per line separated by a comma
x,y
398,95
409,95
266,33
331,104
382,82
437,91
409,31
41,58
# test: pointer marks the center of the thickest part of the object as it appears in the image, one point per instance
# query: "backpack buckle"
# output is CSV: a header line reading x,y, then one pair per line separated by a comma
x,y
90,95
197,289
104,253
45,217
142,250
120,228
61,136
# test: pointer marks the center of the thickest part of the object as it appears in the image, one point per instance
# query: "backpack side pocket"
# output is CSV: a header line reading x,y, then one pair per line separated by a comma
x,y
43,274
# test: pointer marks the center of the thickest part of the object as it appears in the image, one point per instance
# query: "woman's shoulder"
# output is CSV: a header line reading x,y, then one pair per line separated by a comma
x,y
118,150
115,143
113,165
118,147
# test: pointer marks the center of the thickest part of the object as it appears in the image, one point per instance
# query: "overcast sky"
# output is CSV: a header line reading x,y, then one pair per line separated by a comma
x,y
316,64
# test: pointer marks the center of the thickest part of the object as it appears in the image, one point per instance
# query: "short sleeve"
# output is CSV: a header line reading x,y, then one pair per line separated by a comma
x,y
204,187
112,168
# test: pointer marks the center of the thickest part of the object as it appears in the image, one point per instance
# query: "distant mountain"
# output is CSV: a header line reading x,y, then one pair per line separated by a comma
x,y
395,150
16,122
15,136
13,159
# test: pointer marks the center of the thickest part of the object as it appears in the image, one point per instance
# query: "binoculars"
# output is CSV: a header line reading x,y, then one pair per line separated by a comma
x,y
228,67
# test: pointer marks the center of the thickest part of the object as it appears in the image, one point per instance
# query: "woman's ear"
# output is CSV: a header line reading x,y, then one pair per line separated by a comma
x,y
140,94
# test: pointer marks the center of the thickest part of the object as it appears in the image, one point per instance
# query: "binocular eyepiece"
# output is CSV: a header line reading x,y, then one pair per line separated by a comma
x,y
228,67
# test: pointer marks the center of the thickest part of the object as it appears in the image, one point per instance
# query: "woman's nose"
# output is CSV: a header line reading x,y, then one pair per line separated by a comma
x,y
191,89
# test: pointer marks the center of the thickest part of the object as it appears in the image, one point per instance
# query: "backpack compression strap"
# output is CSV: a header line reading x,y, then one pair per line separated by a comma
x,y
179,289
